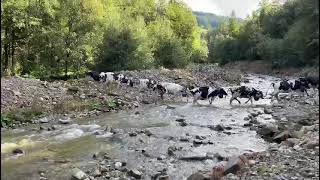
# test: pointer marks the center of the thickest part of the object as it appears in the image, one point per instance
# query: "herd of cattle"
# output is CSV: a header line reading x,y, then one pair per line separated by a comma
x,y
201,93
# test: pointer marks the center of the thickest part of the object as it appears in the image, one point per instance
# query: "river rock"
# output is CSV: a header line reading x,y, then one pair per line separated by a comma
x,y
183,124
17,151
311,144
281,136
200,175
184,139
162,157
197,141
180,120
171,150
235,164
219,127
170,107
131,134
267,130
118,165
78,174
291,142
135,173
267,110
65,121
200,137
148,132
163,177
96,173
44,120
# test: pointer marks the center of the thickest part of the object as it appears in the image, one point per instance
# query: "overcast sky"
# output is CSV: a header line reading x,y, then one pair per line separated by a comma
x,y
224,7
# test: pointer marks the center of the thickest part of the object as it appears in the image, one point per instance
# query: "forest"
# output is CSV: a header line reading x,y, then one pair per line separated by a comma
x,y
67,38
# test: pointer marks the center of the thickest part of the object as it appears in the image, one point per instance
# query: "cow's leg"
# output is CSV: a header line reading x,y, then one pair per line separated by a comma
x,y
306,92
195,99
250,99
212,99
238,100
231,99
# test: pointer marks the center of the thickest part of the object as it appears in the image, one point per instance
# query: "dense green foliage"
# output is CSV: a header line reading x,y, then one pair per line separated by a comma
x,y
52,38
58,38
281,34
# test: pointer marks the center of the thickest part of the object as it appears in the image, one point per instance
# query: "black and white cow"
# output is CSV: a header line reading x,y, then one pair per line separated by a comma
x,y
146,84
299,86
126,80
202,93
107,77
289,86
170,88
283,86
95,75
310,81
245,92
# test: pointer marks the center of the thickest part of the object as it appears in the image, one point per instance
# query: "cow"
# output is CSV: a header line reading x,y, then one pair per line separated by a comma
x,y
206,92
281,87
299,86
146,84
126,80
170,88
107,77
245,92
312,81
95,75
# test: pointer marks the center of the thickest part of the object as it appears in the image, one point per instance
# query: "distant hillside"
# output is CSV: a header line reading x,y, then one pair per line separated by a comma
x,y
205,19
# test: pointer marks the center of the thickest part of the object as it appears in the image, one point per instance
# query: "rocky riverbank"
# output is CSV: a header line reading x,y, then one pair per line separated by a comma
x,y
293,152
162,143
25,100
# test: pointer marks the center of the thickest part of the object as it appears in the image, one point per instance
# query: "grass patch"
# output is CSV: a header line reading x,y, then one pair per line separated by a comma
x,y
22,115
78,105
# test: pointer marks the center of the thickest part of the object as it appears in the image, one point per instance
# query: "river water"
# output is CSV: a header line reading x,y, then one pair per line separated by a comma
x,y
78,142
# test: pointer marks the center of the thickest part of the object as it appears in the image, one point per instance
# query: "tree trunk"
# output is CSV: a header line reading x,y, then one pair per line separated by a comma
x,y
7,62
66,66
12,54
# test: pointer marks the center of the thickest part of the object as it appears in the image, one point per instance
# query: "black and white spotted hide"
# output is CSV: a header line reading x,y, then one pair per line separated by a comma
x,y
94,75
202,93
245,92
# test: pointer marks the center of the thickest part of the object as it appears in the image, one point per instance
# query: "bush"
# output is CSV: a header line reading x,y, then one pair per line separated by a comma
x,y
171,54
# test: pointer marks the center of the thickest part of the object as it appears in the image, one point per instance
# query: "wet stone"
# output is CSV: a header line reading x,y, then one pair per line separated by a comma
x,y
183,124
131,134
78,174
162,157
219,127
135,173
17,151
200,137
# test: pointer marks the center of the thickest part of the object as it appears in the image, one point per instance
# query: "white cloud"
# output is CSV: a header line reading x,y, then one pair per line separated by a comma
x,y
224,7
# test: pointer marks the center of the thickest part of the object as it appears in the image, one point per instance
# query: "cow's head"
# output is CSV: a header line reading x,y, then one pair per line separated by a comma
x,y
257,94
222,93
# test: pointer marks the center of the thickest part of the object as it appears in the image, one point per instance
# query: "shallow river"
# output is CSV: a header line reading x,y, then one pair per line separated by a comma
x,y
78,143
